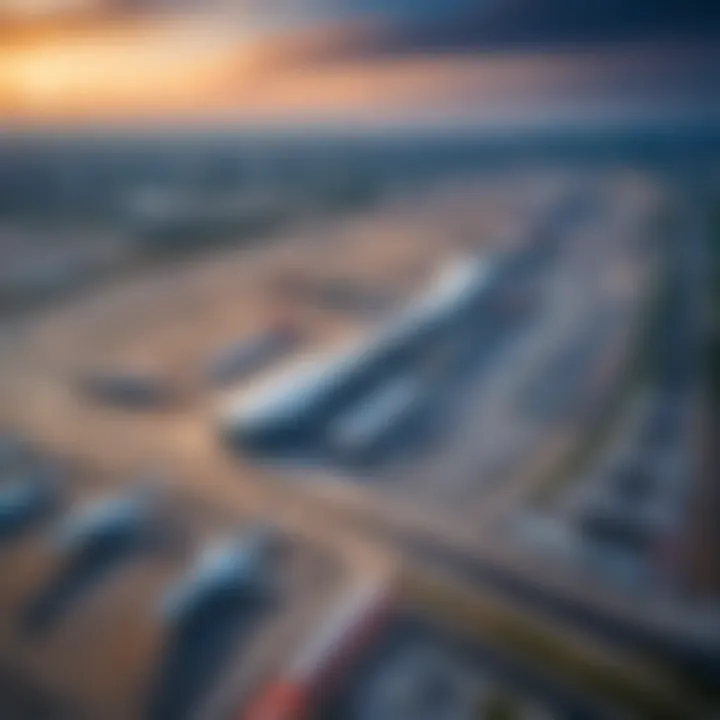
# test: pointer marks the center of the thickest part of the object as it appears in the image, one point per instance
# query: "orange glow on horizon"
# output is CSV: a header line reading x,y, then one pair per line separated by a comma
x,y
120,69
186,71
183,70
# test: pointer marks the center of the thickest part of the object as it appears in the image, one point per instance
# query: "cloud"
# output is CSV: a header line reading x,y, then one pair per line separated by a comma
x,y
363,65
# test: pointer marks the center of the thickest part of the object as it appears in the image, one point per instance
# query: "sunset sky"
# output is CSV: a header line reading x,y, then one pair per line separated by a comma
x,y
361,61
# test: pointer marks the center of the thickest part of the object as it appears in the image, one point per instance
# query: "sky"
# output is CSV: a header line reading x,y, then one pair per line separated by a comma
x,y
355,61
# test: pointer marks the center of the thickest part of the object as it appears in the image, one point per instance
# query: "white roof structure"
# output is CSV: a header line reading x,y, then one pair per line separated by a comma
x,y
456,287
293,391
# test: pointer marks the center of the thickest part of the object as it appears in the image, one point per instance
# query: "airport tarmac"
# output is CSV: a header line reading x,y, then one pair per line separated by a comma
x,y
170,324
